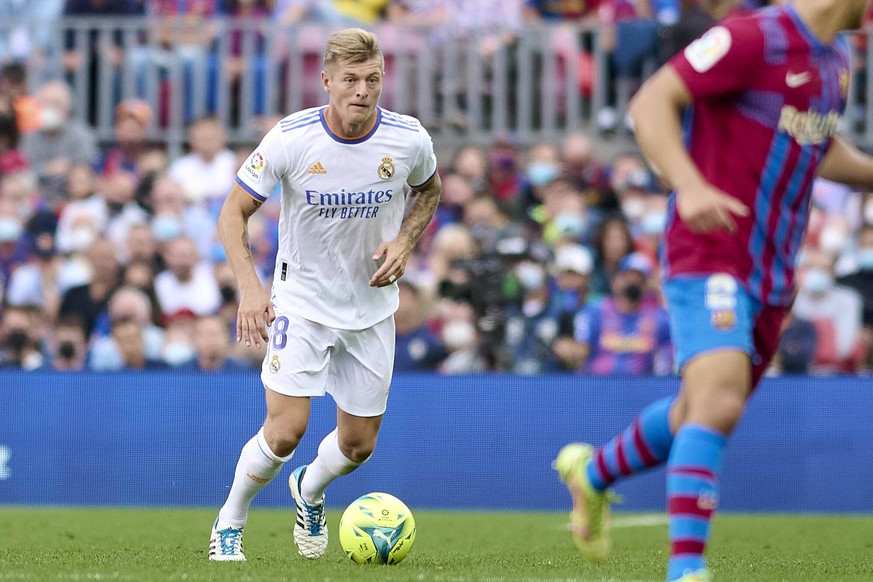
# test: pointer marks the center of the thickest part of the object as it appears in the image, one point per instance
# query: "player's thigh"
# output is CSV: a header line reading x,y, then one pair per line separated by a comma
x,y
298,356
286,422
709,314
361,369
716,385
712,321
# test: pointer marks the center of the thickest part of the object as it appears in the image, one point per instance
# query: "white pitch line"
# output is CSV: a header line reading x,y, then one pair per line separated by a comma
x,y
640,520
646,520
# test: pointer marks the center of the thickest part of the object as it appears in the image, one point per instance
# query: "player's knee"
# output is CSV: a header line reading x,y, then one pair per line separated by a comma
x,y
357,450
727,410
283,437
717,408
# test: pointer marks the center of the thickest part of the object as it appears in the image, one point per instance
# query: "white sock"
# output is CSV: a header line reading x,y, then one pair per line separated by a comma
x,y
327,466
257,466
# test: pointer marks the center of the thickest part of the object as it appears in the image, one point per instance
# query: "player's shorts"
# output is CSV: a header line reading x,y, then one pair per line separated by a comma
x,y
715,312
308,359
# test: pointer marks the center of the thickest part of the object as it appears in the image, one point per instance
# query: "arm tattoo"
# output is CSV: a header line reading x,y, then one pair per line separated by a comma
x,y
256,204
422,205
246,246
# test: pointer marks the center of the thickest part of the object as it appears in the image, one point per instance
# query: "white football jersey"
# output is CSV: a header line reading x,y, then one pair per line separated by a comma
x,y
341,199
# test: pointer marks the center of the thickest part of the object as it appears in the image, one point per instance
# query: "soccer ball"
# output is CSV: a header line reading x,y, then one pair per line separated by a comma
x,y
377,528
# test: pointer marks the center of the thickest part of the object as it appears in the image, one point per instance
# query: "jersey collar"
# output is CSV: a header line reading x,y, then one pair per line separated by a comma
x,y
361,139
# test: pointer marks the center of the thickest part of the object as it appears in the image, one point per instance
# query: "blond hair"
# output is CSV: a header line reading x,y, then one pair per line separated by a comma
x,y
352,45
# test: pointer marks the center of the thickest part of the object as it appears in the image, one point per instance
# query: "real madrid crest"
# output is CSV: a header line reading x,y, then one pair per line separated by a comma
x,y
386,168
274,364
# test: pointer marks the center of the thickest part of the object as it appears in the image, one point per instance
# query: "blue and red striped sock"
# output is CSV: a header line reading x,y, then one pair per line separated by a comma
x,y
692,495
644,444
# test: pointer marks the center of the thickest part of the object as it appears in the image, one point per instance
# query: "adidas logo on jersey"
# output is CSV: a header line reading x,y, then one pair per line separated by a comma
x,y
316,168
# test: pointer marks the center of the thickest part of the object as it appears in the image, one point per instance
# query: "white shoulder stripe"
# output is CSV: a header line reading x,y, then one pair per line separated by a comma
x,y
299,116
398,118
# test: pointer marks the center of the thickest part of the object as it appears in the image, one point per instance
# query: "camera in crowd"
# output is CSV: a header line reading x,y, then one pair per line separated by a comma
x,y
487,283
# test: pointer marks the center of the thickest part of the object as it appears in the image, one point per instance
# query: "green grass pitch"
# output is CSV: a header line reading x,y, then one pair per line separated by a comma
x,y
171,544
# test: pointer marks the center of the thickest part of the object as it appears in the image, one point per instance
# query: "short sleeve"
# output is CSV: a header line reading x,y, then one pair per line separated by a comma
x,y
425,164
720,61
264,167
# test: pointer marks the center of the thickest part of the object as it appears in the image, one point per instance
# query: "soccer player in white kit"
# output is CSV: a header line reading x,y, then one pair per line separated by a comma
x,y
346,230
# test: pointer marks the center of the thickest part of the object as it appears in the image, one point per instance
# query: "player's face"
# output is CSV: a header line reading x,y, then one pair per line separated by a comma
x,y
354,90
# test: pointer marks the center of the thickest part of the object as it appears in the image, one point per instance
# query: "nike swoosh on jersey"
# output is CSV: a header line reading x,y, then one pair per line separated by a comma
x,y
795,80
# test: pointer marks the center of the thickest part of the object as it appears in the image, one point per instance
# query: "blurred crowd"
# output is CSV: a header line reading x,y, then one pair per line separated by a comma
x,y
182,39
540,259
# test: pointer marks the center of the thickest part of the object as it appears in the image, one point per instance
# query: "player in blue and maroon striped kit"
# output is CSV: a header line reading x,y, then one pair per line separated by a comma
x,y
762,97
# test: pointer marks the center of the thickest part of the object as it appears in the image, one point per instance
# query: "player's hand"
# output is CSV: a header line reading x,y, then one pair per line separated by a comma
x,y
254,316
393,255
570,352
708,209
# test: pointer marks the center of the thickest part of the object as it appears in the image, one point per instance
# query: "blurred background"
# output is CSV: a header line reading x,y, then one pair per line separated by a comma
x,y
122,125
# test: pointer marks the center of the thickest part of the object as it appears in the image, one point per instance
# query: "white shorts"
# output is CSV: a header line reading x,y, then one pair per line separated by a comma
x,y
308,359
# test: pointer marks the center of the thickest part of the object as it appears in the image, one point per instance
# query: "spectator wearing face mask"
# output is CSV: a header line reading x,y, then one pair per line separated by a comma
x,y
61,141
461,339
650,231
543,166
624,334
834,309
178,349
531,331
173,216
112,211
